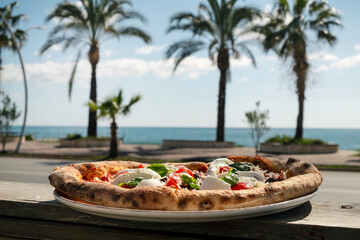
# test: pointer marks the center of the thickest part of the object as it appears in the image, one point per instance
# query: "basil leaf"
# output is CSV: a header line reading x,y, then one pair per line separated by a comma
x,y
242,166
190,181
231,178
159,168
134,182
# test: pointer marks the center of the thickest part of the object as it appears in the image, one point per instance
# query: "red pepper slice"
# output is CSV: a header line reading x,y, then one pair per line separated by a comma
x,y
171,183
241,186
141,166
224,169
174,180
185,170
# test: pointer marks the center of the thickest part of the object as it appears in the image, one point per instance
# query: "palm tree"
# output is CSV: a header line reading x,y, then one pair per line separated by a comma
x,y
91,24
288,34
217,29
14,41
110,108
6,41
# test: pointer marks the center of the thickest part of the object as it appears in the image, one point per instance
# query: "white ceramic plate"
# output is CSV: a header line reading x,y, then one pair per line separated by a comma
x,y
183,216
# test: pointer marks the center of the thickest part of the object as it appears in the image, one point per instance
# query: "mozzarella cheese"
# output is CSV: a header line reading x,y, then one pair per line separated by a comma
x,y
250,180
214,183
215,165
149,183
134,173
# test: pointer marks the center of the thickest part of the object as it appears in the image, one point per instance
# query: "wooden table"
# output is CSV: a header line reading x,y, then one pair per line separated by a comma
x,y
28,210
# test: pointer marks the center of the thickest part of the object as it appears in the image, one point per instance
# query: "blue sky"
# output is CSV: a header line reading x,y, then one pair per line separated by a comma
x,y
188,98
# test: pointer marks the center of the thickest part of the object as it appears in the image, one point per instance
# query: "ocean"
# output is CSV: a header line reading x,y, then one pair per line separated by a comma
x,y
348,139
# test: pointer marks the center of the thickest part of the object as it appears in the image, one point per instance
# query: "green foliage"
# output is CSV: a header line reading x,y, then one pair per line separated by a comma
x,y
113,106
73,136
257,122
284,36
89,24
217,26
288,32
286,140
29,137
8,114
13,20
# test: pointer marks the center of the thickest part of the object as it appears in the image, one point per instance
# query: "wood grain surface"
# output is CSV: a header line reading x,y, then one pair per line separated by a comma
x,y
29,210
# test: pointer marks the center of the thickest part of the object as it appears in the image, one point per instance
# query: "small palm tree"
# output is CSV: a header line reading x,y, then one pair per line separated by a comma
x,y
215,28
6,41
110,108
92,23
288,34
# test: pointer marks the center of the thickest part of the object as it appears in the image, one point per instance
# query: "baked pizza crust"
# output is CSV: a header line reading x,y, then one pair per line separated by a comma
x,y
302,178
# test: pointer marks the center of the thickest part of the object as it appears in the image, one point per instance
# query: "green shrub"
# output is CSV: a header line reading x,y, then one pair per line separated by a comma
x,y
286,140
29,137
73,136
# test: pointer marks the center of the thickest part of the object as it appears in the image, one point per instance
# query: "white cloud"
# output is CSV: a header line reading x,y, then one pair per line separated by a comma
x,y
323,56
347,62
146,50
334,61
321,68
357,47
191,68
56,48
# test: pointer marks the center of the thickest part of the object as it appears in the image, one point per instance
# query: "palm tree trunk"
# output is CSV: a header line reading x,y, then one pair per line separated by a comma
x,y
92,126
0,68
223,65
220,130
300,68
113,142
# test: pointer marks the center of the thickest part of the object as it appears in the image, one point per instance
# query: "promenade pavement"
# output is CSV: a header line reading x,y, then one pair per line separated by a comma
x,y
342,157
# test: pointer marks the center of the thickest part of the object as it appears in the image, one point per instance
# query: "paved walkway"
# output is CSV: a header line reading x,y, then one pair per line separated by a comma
x,y
342,157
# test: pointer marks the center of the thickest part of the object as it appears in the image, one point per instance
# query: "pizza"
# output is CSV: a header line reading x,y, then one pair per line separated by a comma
x,y
225,183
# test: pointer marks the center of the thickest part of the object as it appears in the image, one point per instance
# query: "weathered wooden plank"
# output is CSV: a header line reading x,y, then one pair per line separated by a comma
x,y
26,191
315,220
277,226
29,228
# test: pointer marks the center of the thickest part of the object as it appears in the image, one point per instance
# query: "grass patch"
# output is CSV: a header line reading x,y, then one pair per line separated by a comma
x,y
286,140
358,154
78,136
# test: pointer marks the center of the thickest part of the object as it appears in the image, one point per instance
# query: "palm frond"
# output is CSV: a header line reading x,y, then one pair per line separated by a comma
x,y
299,7
72,76
135,32
211,50
127,107
327,36
183,49
50,43
246,50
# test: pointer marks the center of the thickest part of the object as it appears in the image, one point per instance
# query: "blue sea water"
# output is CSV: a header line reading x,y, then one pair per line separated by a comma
x,y
346,138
